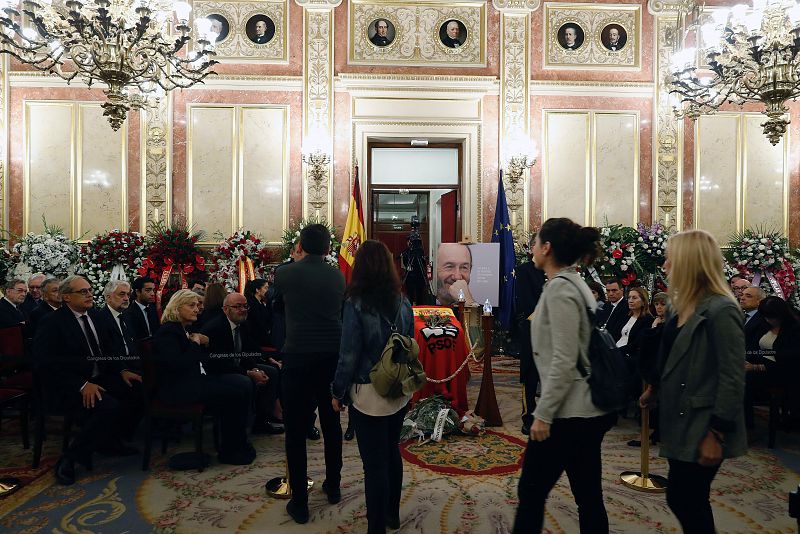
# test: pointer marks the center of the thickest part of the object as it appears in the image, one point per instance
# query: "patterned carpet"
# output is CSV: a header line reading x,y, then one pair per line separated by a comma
x,y
441,492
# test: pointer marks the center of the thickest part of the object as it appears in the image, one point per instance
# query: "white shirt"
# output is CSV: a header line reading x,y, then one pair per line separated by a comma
x,y
143,308
626,331
95,369
118,316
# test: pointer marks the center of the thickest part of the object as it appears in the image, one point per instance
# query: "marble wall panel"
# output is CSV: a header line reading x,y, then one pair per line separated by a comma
x,y
565,177
48,166
211,169
263,195
616,168
765,182
718,174
102,170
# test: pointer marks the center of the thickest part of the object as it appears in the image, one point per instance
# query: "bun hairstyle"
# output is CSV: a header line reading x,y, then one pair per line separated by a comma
x,y
570,242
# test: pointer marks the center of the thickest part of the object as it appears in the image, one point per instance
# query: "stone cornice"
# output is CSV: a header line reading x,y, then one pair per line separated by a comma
x,y
516,6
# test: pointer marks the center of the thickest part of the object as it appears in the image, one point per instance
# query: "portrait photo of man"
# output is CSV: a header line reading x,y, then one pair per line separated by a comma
x,y
260,29
381,32
220,26
453,270
453,33
570,36
614,37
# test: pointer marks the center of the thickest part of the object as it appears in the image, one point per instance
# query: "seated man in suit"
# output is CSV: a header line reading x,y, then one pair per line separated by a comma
x,y
34,296
141,315
755,326
51,301
234,350
614,314
14,292
121,368
67,349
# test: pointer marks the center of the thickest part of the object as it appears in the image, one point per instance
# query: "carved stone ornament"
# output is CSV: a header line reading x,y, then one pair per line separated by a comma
x,y
318,4
669,133
516,5
156,198
588,46
668,7
237,21
418,36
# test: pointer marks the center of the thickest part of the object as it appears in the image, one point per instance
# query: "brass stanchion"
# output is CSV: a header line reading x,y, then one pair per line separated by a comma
x,y
486,406
279,487
643,480
9,485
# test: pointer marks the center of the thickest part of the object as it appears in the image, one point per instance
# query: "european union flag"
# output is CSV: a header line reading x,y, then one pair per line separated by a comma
x,y
501,233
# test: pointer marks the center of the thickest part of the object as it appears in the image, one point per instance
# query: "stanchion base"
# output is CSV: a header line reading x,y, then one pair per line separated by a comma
x,y
651,484
9,485
279,488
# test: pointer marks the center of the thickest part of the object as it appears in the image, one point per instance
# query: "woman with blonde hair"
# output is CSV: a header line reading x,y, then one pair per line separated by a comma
x,y
701,384
182,379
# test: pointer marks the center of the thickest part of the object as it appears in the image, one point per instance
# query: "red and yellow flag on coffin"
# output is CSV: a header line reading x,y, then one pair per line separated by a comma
x,y
354,233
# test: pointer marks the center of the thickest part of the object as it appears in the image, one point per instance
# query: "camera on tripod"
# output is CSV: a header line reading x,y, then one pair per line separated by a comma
x,y
414,239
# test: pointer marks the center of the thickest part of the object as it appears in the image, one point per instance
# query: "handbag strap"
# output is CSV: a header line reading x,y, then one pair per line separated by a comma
x,y
592,324
393,324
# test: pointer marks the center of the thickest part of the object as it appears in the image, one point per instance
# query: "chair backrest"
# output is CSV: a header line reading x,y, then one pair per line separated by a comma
x,y
12,342
149,382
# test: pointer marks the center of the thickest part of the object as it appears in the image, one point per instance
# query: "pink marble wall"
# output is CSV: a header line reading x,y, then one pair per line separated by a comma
x,y
645,108
644,74
341,22
182,98
342,160
16,149
490,159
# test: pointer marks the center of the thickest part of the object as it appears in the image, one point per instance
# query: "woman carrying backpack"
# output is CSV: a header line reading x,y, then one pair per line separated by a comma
x,y
568,428
700,386
374,304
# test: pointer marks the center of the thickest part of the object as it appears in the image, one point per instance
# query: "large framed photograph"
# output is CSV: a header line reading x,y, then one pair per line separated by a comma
x,y
468,271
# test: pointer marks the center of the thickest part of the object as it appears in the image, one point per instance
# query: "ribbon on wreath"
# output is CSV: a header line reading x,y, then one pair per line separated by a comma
x,y
162,284
246,270
595,276
118,273
776,287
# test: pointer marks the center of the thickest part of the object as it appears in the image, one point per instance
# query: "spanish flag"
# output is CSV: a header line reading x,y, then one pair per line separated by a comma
x,y
354,233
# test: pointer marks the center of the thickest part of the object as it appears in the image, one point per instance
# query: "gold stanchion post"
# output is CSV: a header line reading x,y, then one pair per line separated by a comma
x,y
643,480
279,487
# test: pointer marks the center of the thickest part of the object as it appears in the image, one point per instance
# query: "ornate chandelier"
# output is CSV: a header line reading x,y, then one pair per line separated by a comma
x,y
128,45
750,55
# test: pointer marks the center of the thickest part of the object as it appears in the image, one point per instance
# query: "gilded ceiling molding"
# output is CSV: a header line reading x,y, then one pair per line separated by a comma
x,y
156,174
514,107
523,6
666,7
668,206
318,76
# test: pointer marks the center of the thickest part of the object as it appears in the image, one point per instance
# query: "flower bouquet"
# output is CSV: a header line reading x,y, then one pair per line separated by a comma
x,y
7,262
760,254
292,234
51,253
619,254
171,251
239,258
651,251
116,255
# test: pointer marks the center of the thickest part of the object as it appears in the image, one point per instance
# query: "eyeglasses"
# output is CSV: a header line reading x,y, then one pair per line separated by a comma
x,y
85,291
240,307
34,287
18,289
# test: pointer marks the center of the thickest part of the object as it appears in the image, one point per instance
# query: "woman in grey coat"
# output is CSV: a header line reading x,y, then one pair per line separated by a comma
x,y
568,428
701,389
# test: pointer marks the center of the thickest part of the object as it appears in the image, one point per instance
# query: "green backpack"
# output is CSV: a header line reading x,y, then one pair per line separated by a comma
x,y
398,372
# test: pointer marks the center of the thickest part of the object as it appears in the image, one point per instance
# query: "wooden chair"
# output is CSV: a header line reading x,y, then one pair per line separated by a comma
x,y
20,399
14,365
156,409
43,410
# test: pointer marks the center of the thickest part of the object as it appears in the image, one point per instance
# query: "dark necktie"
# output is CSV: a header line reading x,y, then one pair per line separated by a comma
x,y
147,321
237,340
93,344
124,329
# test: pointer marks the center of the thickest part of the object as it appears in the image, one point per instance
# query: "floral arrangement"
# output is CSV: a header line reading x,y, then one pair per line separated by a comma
x,y
522,248
243,253
760,254
51,252
292,234
7,263
619,253
171,250
115,255
651,247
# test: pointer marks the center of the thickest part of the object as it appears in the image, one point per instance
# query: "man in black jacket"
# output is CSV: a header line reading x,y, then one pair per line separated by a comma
x,y
34,296
755,326
234,351
141,314
51,301
68,349
528,288
312,293
615,313
14,292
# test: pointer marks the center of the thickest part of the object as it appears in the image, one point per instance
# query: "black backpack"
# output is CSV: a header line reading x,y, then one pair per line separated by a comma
x,y
610,380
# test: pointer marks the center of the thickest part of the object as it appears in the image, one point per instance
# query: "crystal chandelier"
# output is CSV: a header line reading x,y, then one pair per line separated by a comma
x,y
128,45
750,55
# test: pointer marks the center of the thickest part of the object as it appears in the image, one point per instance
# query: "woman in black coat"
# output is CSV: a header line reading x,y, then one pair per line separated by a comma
x,y
259,313
179,356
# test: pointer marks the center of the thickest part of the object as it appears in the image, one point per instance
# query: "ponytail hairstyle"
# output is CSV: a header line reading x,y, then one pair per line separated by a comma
x,y
570,242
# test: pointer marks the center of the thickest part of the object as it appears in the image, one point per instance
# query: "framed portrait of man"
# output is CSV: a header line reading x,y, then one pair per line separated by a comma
x,y
381,32
571,36
260,29
220,25
471,271
614,37
453,33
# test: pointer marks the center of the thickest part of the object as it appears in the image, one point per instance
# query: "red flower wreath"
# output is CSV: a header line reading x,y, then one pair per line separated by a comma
x,y
174,247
